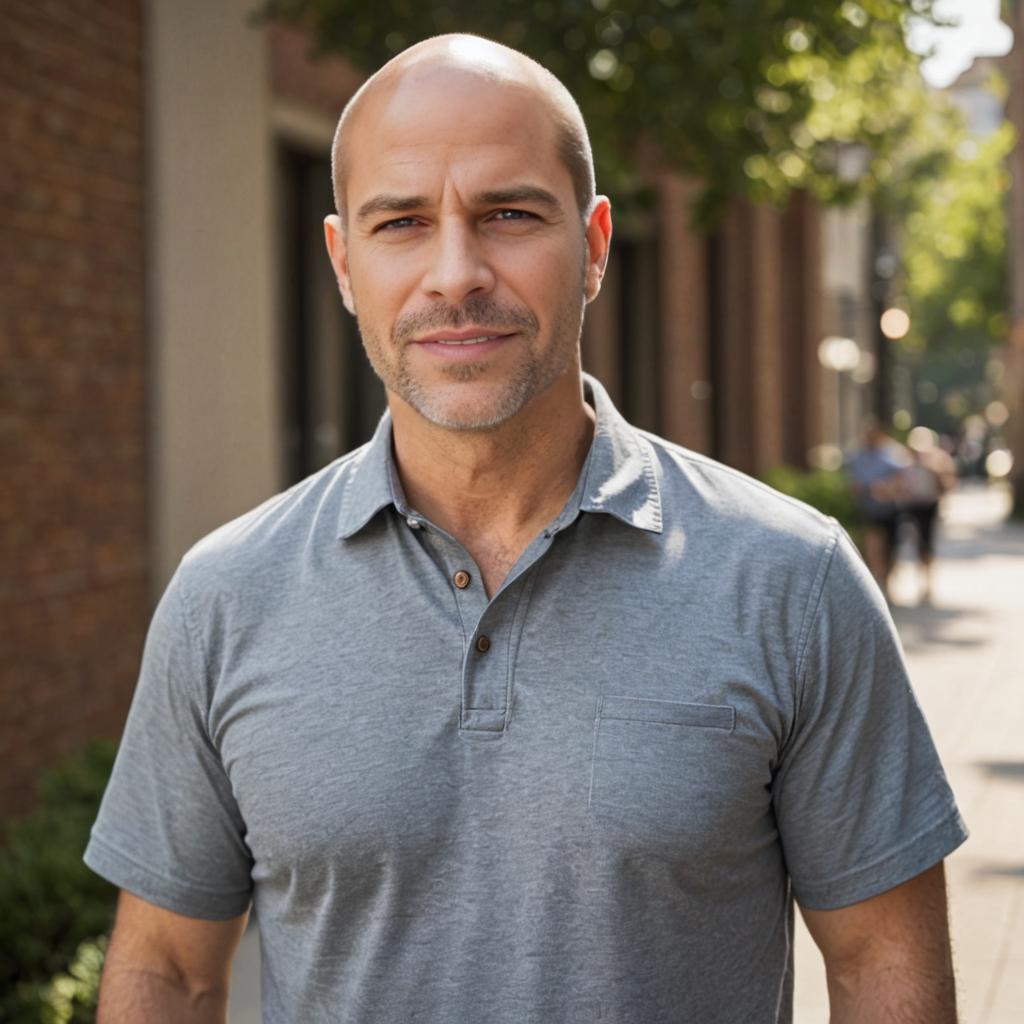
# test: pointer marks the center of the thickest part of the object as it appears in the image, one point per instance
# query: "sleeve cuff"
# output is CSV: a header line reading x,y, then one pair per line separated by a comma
x,y
921,853
188,900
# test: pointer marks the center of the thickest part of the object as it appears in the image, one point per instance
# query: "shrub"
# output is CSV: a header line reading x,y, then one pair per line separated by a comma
x,y
825,489
50,902
71,998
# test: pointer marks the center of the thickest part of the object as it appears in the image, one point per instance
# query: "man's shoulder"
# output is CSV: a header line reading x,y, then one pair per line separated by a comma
x,y
269,534
742,509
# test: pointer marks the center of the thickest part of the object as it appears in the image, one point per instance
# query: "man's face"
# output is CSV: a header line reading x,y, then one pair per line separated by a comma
x,y
464,255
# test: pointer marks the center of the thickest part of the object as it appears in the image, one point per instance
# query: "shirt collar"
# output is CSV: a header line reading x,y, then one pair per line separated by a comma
x,y
620,472
371,485
618,476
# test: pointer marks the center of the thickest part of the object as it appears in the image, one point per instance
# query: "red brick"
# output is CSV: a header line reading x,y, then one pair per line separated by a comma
x,y
74,594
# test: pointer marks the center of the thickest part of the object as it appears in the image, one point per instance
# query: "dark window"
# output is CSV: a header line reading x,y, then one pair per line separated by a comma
x,y
332,399
639,329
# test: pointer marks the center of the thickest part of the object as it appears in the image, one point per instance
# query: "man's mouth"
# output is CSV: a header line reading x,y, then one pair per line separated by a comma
x,y
466,336
468,341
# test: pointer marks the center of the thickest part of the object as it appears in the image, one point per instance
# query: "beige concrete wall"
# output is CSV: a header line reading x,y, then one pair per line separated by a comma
x,y
211,286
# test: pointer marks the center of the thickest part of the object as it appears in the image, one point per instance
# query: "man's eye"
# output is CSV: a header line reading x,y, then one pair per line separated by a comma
x,y
396,224
514,215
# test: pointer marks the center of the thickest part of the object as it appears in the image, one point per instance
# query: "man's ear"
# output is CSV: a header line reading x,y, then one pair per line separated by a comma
x,y
337,250
599,237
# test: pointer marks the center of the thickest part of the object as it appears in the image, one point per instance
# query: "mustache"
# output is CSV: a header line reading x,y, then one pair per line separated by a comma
x,y
480,310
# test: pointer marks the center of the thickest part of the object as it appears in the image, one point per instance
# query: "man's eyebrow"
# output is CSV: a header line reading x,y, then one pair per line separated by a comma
x,y
386,203
519,194
390,204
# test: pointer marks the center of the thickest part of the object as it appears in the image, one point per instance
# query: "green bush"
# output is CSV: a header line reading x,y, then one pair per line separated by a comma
x,y
71,998
50,902
825,489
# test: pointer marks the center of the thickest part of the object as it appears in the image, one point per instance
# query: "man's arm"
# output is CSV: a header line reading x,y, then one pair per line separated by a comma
x,y
163,968
888,958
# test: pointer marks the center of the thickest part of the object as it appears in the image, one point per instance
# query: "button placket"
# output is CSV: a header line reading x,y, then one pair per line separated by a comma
x,y
491,629
484,682
482,693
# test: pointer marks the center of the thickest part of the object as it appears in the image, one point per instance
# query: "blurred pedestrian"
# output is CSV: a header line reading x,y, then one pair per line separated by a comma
x,y
930,474
875,473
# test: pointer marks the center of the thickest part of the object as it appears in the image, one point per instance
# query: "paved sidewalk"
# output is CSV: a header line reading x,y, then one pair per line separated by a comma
x,y
966,655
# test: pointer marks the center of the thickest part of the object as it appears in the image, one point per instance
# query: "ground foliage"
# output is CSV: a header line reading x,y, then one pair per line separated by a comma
x,y
753,97
72,997
824,489
50,902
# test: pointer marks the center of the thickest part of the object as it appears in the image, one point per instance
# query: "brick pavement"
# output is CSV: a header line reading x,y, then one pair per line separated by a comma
x,y
966,656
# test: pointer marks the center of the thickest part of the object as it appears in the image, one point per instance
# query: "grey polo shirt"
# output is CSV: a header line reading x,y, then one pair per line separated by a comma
x,y
587,799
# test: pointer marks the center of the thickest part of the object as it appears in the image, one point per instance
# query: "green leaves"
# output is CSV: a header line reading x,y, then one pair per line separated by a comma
x,y
825,489
954,248
755,98
751,96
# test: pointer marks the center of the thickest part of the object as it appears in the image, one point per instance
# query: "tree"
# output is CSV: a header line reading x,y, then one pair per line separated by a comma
x,y
750,96
947,193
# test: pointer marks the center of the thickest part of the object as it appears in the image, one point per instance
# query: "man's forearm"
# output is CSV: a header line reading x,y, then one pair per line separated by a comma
x,y
131,994
887,958
893,994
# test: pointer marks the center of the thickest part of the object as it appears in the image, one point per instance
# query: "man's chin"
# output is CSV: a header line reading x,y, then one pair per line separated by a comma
x,y
470,408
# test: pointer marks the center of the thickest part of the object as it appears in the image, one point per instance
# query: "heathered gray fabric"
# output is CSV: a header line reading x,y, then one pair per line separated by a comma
x,y
693,694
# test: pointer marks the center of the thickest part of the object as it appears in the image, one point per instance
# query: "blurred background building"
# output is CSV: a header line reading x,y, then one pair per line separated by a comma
x,y
174,350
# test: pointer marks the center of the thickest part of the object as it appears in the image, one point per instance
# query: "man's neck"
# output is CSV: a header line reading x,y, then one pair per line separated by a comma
x,y
494,490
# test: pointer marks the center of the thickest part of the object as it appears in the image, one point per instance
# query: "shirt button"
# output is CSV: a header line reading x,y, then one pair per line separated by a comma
x,y
414,524
483,644
462,579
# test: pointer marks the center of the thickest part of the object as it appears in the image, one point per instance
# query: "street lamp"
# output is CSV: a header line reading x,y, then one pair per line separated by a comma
x,y
894,323
839,354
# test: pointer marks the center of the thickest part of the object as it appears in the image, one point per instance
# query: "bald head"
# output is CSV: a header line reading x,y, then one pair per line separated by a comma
x,y
462,61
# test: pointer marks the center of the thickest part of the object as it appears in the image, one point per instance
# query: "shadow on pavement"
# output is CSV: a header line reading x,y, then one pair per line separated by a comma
x,y
974,524
926,625
982,542
999,871
1012,770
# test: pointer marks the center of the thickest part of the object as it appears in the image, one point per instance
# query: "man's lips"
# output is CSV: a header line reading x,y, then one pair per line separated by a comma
x,y
465,336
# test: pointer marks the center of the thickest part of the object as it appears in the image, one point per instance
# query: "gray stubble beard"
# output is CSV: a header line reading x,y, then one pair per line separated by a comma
x,y
533,376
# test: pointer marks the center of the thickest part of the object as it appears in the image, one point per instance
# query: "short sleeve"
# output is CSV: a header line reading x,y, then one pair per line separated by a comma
x,y
860,797
169,829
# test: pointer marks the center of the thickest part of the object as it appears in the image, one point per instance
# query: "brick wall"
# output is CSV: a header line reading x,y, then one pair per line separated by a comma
x,y
73,596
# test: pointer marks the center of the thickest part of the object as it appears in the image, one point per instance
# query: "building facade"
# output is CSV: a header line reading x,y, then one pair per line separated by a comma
x,y
175,350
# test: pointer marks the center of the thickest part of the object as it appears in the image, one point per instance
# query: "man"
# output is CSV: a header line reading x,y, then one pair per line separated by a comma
x,y
516,714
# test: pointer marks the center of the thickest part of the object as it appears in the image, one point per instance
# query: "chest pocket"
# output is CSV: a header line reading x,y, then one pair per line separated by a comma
x,y
666,774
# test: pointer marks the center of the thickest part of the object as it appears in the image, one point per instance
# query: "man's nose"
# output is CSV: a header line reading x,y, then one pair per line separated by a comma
x,y
458,263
